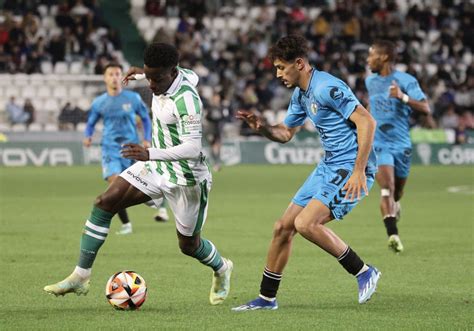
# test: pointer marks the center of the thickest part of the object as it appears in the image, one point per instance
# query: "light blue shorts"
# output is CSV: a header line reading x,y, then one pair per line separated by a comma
x,y
399,159
114,164
325,184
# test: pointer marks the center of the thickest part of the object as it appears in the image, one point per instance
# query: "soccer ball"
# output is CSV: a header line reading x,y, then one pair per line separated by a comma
x,y
126,290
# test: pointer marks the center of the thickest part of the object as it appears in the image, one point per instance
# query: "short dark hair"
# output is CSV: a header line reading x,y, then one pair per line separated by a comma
x,y
112,65
386,47
289,48
161,55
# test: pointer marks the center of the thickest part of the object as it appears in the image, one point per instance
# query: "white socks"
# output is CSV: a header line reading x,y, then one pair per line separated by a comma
x,y
81,272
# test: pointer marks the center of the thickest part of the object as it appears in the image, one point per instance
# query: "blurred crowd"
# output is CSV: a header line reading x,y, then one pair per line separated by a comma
x,y
33,32
435,43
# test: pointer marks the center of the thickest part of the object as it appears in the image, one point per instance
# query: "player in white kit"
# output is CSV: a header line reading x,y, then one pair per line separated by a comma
x,y
173,168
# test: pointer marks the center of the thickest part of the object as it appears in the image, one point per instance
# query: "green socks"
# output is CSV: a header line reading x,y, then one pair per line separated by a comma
x,y
207,254
93,236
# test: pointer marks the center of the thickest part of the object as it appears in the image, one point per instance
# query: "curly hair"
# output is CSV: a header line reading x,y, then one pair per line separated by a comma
x,y
386,47
161,55
289,48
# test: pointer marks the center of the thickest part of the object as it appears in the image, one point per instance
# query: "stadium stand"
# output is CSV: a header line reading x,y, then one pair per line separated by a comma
x,y
226,43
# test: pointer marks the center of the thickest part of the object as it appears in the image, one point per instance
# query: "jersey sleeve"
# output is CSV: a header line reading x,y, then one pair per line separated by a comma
x,y
296,115
92,119
142,111
339,97
188,111
413,89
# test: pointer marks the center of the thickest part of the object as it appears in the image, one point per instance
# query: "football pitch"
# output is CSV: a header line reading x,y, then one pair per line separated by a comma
x,y
428,287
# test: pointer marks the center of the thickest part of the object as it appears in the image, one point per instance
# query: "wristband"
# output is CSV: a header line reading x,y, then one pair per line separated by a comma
x,y
405,98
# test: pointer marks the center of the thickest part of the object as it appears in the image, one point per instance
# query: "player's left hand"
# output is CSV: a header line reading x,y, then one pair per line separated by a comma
x,y
395,91
135,152
355,185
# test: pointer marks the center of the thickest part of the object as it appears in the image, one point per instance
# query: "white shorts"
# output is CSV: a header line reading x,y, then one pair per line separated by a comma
x,y
188,203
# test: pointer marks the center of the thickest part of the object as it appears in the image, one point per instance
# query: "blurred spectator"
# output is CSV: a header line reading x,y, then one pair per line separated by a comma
x,y
16,113
30,110
70,116
216,114
449,120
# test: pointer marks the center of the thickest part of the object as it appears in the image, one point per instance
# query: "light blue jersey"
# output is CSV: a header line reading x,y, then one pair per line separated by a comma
x,y
392,137
118,114
391,114
329,103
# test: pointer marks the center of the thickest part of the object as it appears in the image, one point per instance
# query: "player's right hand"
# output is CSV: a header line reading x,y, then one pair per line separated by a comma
x,y
130,75
87,142
255,122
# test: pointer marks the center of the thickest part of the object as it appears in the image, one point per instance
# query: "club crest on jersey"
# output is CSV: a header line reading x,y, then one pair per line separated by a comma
x,y
127,107
314,108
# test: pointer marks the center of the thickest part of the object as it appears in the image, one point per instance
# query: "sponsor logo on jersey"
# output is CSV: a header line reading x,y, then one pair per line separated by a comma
x,y
335,93
191,119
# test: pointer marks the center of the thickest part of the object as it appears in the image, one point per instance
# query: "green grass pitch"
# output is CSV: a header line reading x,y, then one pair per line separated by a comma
x,y
428,287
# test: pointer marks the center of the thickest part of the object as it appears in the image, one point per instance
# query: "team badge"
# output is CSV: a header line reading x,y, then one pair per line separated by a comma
x,y
127,107
314,108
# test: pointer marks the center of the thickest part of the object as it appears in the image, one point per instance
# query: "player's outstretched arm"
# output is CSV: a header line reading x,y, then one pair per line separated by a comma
x,y
279,133
365,124
130,75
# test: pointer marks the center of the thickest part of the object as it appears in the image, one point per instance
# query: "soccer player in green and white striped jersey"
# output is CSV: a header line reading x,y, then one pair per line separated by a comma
x,y
173,168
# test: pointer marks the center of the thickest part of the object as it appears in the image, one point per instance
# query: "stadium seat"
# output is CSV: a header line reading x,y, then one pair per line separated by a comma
x,y
218,23
84,103
61,68
46,67
18,127
173,23
51,105
81,127
137,3
28,92
144,24
60,91
148,35
159,22
51,127
42,10
12,91
281,114
20,79
37,79
76,68
76,91
4,127
35,127
44,92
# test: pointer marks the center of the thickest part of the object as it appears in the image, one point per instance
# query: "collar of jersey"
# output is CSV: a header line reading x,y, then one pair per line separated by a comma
x,y
313,73
175,85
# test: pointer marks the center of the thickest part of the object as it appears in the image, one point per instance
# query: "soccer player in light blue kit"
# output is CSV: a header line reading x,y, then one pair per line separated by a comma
x,y
393,95
339,182
118,109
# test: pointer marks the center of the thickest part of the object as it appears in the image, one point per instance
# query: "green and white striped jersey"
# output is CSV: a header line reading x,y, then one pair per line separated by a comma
x,y
177,118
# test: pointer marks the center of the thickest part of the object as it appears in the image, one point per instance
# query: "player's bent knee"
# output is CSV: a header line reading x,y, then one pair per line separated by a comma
x,y
282,231
305,225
